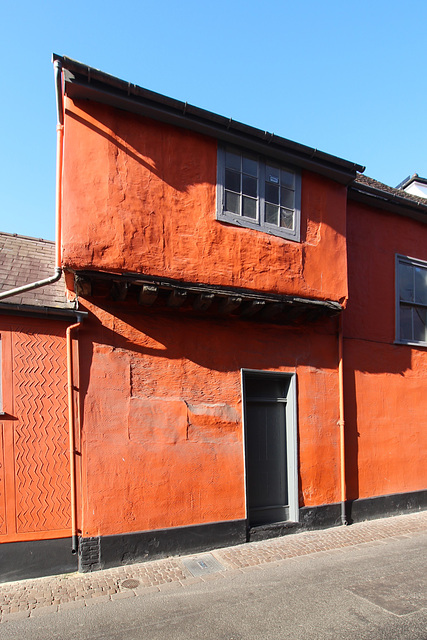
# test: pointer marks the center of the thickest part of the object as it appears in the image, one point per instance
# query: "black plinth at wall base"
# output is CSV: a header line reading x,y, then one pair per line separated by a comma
x,y
321,517
111,551
33,559
363,509
310,518
329,515
383,506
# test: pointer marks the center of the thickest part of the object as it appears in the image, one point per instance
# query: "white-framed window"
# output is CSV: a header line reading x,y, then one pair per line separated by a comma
x,y
256,192
411,305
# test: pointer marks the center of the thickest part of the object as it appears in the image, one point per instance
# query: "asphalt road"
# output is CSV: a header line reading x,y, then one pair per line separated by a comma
x,y
376,591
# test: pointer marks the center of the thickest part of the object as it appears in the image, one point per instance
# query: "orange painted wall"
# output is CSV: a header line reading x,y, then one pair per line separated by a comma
x,y
161,414
385,383
139,196
34,463
161,394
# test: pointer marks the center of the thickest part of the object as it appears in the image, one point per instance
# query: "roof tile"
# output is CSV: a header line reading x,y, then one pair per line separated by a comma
x,y
375,184
24,260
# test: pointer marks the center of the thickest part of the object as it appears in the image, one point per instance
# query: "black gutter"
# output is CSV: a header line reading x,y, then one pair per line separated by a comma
x,y
33,311
85,83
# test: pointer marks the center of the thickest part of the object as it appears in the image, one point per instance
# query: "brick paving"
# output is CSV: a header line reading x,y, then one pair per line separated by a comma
x,y
31,598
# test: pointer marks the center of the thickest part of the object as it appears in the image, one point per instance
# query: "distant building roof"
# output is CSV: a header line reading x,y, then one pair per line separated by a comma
x,y
24,260
372,192
397,191
415,185
410,179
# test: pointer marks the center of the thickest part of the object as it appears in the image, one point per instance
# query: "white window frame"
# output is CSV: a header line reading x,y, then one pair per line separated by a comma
x,y
258,224
400,303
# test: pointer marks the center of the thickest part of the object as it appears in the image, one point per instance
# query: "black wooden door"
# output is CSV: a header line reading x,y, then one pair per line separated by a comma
x,y
266,450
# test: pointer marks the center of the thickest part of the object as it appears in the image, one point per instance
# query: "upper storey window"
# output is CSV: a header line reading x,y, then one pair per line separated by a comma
x,y
257,193
411,308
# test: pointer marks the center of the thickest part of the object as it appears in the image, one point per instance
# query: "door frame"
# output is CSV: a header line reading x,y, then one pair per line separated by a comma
x,y
291,437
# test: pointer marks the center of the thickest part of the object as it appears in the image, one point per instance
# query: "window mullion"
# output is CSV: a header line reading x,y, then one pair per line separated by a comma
x,y
220,194
415,295
261,192
414,312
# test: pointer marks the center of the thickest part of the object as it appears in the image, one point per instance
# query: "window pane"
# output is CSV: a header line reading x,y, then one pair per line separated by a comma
x,y
249,208
233,160
286,219
249,186
272,174
420,317
258,190
405,323
232,180
287,198
271,213
272,193
421,285
250,166
406,282
287,178
232,202
266,387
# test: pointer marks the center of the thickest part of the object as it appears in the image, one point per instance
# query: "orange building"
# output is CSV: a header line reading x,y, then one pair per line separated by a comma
x,y
245,368
385,349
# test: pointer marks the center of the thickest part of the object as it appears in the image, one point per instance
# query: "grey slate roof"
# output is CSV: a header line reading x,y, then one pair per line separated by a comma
x,y
24,260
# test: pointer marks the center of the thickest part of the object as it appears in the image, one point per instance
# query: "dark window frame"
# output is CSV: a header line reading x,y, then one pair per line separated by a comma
x,y
404,303
259,223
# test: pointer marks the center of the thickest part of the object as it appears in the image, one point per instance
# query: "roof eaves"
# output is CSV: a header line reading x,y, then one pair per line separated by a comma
x,y
399,204
34,311
83,82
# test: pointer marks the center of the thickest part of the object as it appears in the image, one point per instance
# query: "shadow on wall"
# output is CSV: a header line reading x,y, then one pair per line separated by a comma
x,y
152,151
351,437
374,359
192,364
215,344
163,355
178,353
183,159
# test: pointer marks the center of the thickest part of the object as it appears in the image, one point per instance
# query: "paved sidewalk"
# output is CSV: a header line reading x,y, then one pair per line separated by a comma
x,y
31,598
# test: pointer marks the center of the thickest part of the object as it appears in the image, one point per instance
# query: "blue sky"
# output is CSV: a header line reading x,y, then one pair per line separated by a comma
x,y
344,77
